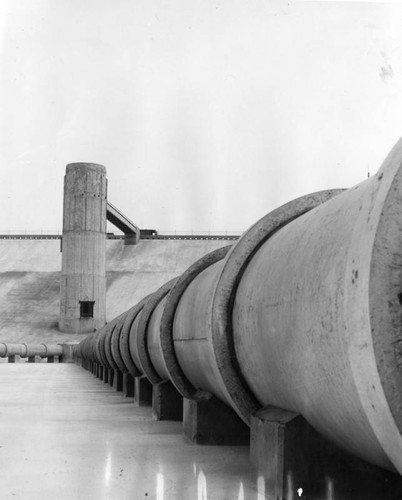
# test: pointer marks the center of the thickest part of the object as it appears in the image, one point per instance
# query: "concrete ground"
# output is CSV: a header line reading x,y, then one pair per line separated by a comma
x,y
64,434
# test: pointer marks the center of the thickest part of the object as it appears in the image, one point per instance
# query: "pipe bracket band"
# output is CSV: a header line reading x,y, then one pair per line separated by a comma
x,y
125,338
176,374
26,350
142,343
115,344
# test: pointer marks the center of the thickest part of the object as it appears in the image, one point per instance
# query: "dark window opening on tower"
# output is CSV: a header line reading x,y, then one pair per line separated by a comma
x,y
86,309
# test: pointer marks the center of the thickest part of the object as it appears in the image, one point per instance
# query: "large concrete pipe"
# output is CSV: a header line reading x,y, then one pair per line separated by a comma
x,y
303,313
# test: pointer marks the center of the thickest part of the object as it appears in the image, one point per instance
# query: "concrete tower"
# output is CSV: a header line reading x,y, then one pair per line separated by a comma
x,y
83,278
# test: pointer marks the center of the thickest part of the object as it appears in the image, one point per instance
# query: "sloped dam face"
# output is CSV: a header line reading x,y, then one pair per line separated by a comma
x,y
30,280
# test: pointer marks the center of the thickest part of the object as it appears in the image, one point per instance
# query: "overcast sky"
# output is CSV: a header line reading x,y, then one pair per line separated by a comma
x,y
207,114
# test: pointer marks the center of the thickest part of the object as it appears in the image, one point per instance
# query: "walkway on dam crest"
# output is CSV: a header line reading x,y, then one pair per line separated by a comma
x,y
67,435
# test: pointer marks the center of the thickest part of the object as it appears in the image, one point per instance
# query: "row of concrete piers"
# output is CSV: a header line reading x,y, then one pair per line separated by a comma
x,y
286,453
204,422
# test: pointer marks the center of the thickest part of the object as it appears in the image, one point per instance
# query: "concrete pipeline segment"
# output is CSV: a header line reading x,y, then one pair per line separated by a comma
x,y
31,351
303,313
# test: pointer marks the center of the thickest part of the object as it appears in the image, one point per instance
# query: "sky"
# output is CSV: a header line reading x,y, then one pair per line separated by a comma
x,y
207,114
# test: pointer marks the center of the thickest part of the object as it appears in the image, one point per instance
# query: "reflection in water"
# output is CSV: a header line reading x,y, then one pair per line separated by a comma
x,y
202,486
159,486
289,485
330,489
108,468
241,492
195,469
261,488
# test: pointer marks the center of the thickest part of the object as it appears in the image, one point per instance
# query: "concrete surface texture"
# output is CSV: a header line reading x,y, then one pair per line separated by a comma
x,y
329,346
30,281
83,276
66,435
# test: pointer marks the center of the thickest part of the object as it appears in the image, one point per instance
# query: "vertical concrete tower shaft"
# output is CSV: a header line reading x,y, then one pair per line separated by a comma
x,y
83,279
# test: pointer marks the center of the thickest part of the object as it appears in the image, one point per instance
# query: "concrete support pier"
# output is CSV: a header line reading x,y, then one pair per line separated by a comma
x,y
83,282
128,385
292,460
118,380
167,403
142,392
212,422
105,375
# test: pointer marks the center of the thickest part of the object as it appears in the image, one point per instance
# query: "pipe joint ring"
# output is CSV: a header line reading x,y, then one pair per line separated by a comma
x,y
176,374
115,344
142,344
125,338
